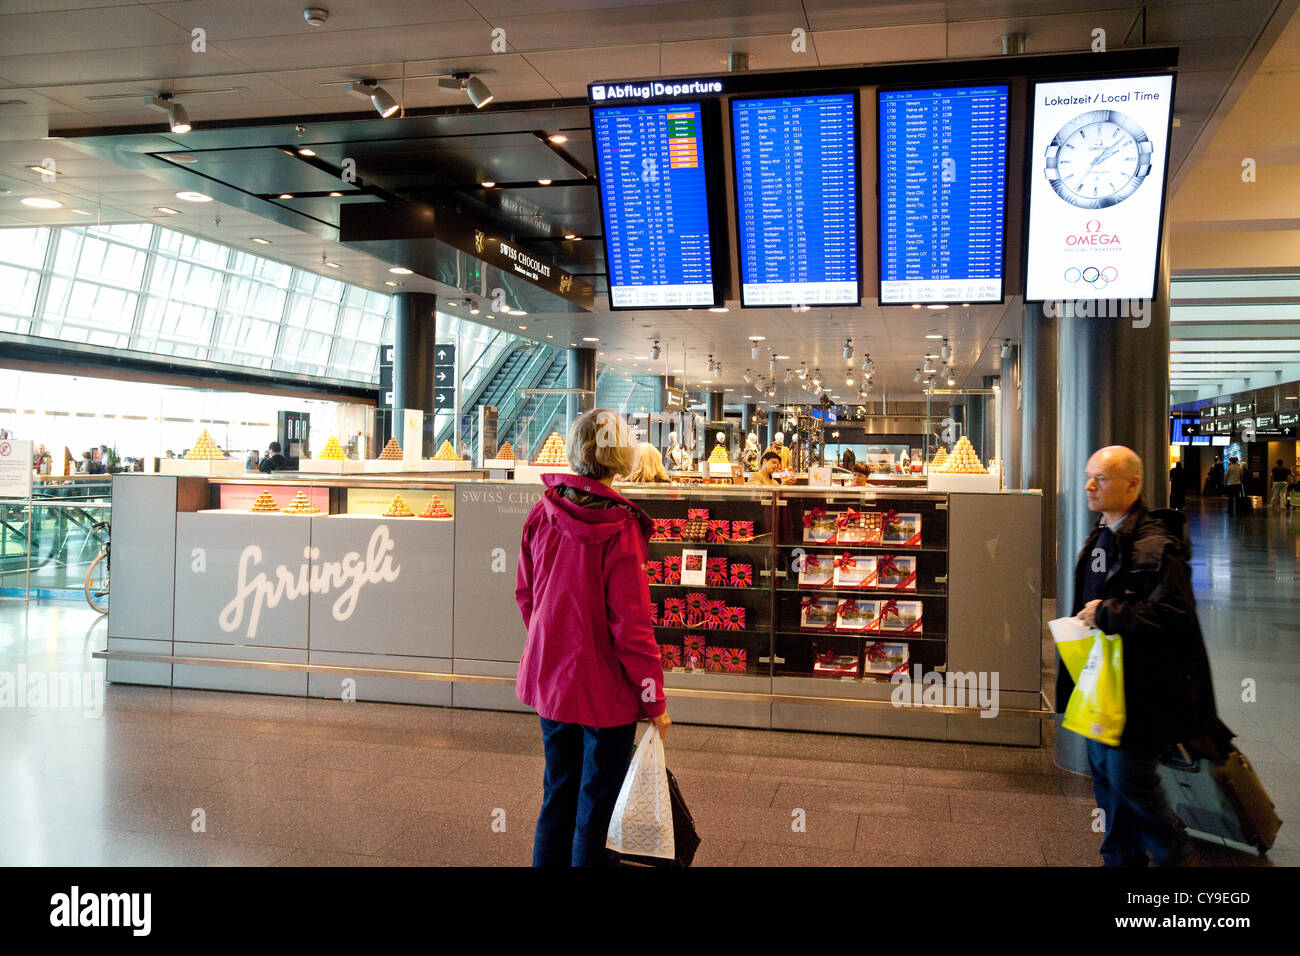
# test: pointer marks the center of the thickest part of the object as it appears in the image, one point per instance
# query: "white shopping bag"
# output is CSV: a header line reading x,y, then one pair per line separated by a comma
x,y
642,824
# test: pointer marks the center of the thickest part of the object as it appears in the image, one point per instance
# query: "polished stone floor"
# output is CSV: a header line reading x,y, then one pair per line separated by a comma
x,y
178,777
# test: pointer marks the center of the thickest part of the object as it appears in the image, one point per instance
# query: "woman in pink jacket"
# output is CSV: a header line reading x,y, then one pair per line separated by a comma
x,y
591,665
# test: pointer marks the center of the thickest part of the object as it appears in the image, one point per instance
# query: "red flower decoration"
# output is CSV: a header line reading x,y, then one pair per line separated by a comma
x,y
714,613
717,530
675,528
715,575
660,531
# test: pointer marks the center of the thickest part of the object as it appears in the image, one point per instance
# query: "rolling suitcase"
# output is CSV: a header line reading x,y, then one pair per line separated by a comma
x,y
1220,801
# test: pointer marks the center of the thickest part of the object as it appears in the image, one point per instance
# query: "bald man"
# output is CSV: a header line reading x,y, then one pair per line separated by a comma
x,y
1132,578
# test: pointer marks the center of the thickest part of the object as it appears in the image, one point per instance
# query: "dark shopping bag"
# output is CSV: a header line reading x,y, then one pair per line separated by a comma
x,y
685,840
1219,801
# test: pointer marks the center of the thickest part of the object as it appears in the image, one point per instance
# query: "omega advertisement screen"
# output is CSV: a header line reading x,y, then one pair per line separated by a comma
x,y
1097,185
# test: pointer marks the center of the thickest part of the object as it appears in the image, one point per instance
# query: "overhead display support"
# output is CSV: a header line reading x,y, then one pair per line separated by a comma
x,y
1098,159
942,193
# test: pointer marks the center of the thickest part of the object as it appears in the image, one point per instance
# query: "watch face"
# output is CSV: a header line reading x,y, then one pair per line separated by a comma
x,y
1098,159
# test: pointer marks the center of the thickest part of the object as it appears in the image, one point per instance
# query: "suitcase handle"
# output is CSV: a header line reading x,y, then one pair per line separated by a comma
x,y
1179,758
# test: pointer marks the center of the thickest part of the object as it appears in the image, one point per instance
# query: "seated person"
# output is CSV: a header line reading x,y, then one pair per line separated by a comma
x,y
648,466
769,466
273,461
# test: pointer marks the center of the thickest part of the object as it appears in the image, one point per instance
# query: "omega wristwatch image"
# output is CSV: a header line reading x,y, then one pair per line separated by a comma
x,y
1098,159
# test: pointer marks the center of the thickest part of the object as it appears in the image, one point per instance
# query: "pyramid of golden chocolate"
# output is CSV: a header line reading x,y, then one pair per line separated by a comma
x,y
264,504
506,452
392,451
435,509
552,453
940,458
397,508
719,456
963,460
446,452
301,505
332,451
205,449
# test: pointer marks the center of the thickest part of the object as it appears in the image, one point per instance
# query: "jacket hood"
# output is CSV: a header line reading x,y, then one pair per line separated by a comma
x,y
590,525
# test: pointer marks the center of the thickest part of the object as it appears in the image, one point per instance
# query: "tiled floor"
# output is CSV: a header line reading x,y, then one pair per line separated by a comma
x,y
194,777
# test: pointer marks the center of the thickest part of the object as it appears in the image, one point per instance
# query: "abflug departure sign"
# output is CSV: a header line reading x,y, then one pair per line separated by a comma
x,y
652,90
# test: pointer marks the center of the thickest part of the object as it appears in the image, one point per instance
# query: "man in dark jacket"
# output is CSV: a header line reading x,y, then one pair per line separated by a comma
x,y
1132,579
274,461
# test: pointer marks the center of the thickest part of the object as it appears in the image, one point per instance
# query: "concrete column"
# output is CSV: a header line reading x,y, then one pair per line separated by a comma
x,y
1010,399
414,329
581,373
1038,425
716,413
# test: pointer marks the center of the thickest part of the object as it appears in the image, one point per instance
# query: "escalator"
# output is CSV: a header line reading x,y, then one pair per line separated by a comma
x,y
527,365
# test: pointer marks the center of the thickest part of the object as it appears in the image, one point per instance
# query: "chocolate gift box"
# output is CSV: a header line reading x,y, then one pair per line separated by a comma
x,y
714,658
853,570
816,571
674,528
742,531
700,513
693,650
735,660
817,612
674,612
883,657
714,612
717,531
695,602
855,615
858,527
901,616
902,528
660,531
895,573
670,656
818,526
654,613
733,618
672,569
742,575
830,664
715,574
654,571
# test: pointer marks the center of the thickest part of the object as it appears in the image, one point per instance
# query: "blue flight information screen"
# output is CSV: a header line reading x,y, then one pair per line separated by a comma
x,y
654,195
943,161
796,166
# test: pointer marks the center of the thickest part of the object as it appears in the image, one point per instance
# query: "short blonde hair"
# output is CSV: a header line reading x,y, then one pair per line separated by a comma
x,y
600,445
648,466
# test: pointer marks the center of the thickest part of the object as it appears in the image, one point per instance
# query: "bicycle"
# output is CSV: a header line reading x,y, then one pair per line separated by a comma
x,y
96,585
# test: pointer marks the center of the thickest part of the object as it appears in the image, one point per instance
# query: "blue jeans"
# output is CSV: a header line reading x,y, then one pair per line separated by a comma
x,y
1139,820
585,767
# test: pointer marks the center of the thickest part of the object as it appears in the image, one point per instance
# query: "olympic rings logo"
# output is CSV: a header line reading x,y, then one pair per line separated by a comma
x,y
1097,278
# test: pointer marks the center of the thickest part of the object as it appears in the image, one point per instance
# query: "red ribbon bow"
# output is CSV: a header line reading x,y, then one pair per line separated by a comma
x,y
885,565
845,562
875,651
848,609
888,608
812,515
888,518
849,517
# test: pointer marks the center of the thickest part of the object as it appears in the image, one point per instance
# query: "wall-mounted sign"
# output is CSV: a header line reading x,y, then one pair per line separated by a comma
x,y
1288,418
653,89
15,468
1244,408
1264,421
1223,428
1222,411
1097,187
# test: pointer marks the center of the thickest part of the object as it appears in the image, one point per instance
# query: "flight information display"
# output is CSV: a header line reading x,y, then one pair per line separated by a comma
x,y
654,196
796,168
943,161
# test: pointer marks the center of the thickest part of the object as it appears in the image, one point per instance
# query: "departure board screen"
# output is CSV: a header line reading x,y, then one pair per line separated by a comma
x,y
796,168
654,197
943,161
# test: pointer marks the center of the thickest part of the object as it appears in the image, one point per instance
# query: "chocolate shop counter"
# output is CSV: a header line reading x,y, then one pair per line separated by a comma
x,y
901,613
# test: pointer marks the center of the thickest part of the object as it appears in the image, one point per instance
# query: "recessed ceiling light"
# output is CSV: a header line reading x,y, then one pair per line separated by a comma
x,y
184,158
965,305
260,241
543,182
518,312
522,327
488,183
569,235
937,308
80,212
306,152
558,138
591,339
679,371
600,353
400,271
389,282
781,356
336,195
286,195
40,202
548,334
642,358
190,195
454,303
573,345
169,210
45,170
758,338
719,308
333,265
933,335
916,305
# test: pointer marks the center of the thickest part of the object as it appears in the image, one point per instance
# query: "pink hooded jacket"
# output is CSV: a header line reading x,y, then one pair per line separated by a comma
x,y
591,656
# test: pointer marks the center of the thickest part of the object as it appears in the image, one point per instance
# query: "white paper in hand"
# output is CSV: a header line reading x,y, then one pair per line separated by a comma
x,y
642,824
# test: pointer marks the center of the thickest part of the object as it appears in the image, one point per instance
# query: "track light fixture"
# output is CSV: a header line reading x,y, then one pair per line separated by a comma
x,y
749,379
177,118
708,366
471,86
917,376
951,380
473,307
945,352
928,367
848,348
803,369
654,350
1006,348
379,97
788,375
753,350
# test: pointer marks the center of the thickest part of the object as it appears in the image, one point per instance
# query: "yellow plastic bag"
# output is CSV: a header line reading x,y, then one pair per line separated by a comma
x,y
1096,662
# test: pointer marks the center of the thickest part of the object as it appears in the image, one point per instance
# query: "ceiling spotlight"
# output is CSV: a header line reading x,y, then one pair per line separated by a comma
x,y
177,118
389,282
917,376
719,308
335,195
749,379
848,379
1006,348
928,367
471,86
379,97
176,212
488,183
654,350
951,380
945,353
543,182
473,307
788,375
570,236
848,348
591,338
315,16
558,138
708,366
803,369
190,195
753,350
306,152
400,271
333,265
286,195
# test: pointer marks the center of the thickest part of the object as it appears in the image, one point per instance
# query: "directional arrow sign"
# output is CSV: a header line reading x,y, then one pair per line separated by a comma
x,y
444,399
444,355
442,375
